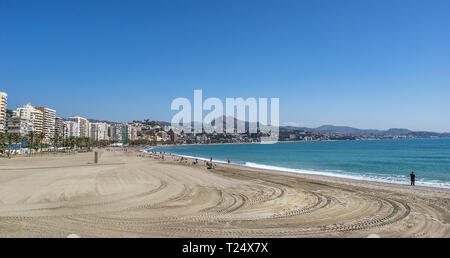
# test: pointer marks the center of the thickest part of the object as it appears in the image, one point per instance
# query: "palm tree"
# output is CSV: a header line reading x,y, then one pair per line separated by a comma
x,y
78,142
71,141
83,142
89,142
55,140
2,142
16,139
31,138
9,137
40,139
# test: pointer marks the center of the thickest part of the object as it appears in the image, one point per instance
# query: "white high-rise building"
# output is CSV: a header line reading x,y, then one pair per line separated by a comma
x,y
48,121
3,104
115,132
99,131
32,114
60,127
133,133
19,125
83,125
73,129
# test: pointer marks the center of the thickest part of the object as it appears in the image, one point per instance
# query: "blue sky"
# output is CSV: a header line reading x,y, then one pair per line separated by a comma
x,y
368,64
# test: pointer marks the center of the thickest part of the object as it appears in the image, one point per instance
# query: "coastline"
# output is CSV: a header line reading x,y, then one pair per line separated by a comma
x,y
134,194
298,141
359,177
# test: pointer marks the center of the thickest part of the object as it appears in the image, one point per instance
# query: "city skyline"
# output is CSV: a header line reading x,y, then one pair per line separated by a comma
x,y
377,64
288,124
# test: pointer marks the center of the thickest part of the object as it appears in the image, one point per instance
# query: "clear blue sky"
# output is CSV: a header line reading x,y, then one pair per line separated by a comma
x,y
367,64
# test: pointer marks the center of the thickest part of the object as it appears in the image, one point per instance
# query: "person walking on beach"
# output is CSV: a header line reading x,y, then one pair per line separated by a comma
x,y
413,178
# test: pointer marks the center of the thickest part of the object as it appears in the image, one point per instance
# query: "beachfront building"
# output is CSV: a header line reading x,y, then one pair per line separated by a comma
x,y
48,122
19,125
99,131
3,108
83,125
72,129
173,137
60,127
203,139
125,133
162,136
34,115
115,132
133,133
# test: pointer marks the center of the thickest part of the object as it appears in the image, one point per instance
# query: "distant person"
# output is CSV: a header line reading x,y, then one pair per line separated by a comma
x,y
413,178
229,161
210,165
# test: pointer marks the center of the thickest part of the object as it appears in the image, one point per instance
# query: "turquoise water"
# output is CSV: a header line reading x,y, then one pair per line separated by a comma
x,y
380,160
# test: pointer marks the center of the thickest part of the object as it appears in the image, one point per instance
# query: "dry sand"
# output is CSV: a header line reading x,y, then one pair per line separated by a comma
x,y
129,196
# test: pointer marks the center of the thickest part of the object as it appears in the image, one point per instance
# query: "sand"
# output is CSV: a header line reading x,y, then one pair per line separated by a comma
x,y
130,196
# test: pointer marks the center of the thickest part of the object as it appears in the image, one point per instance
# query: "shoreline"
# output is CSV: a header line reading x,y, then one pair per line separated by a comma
x,y
308,172
296,141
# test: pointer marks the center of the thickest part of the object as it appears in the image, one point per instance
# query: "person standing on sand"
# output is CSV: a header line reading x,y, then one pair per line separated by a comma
x,y
413,178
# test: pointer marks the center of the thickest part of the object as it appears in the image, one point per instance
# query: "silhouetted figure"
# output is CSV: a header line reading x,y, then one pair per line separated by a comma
x,y
413,178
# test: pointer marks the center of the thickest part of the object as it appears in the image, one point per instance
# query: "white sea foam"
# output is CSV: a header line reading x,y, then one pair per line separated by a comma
x,y
342,174
395,180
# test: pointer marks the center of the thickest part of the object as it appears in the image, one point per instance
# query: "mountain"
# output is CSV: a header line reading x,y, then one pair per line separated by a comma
x,y
398,131
163,123
345,130
100,121
426,134
236,122
351,131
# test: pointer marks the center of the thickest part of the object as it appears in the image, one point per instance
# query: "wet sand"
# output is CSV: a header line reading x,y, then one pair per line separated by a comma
x,y
130,196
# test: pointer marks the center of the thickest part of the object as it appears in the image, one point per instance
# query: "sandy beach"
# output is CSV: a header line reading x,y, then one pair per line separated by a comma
x,y
127,195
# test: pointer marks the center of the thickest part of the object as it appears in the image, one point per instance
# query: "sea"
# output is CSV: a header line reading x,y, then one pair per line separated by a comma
x,y
377,160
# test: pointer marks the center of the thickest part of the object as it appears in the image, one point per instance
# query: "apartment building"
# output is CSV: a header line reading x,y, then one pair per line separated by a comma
x,y
72,129
34,115
115,132
61,127
133,133
48,121
3,108
99,131
19,125
83,125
